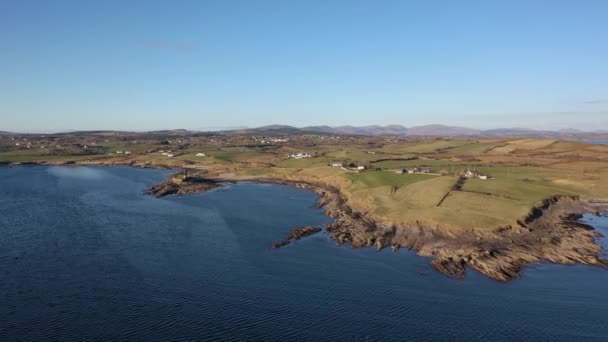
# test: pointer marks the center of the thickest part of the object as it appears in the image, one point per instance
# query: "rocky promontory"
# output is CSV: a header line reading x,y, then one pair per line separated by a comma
x,y
296,234
182,184
551,232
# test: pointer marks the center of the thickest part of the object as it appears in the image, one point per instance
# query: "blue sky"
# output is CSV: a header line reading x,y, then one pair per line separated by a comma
x,y
145,65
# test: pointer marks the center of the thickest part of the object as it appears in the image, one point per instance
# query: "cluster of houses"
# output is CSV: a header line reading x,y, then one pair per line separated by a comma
x,y
414,170
29,145
167,153
341,164
300,155
272,140
475,174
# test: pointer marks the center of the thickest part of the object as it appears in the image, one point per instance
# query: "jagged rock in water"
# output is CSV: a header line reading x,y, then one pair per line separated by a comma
x,y
297,234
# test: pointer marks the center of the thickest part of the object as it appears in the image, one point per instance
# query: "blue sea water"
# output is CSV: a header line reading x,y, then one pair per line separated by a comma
x,y
84,255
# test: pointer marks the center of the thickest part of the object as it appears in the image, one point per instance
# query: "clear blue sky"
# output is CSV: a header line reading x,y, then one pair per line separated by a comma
x,y
194,64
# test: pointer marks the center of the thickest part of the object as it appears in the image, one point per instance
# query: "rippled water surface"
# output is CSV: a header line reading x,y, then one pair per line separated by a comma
x,y
84,255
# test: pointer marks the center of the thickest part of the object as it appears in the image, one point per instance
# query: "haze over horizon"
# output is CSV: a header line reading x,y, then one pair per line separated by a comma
x,y
149,66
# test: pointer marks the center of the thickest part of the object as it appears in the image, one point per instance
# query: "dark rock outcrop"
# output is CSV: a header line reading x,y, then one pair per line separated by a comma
x,y
297,234
182,185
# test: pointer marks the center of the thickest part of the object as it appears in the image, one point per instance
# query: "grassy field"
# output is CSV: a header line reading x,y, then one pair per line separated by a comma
x,y
426,194
374,179
438,166
523,171
470,149
427,146
525,192
482,208
304,163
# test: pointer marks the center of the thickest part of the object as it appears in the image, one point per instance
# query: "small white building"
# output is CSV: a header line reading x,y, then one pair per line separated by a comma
x,y
360,167
470,174
120,152
127,152
475,174
200,154
299,155
336,164
169,155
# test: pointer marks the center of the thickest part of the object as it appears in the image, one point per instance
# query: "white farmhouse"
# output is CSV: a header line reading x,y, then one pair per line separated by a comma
x,y
299,155
470,174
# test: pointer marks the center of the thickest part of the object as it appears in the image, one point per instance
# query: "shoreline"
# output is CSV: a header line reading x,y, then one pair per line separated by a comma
x,y
552,231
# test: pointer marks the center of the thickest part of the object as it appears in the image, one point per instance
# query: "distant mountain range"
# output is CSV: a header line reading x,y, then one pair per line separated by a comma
x,y
426,130
435,130
363,130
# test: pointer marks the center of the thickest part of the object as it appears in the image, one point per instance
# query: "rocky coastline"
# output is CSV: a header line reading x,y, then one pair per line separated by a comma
x,y
552,231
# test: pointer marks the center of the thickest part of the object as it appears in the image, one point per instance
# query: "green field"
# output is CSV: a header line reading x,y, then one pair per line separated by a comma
x,y
469,149
523,171
425,194
437,165
526,192
304,162
374,179
501,211
426,146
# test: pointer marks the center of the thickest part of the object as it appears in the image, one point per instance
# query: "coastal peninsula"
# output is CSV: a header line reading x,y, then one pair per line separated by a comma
x,y
494,205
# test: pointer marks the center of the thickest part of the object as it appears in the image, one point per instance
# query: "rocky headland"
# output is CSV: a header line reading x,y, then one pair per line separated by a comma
x,y
182,184
550,233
